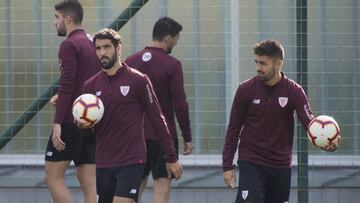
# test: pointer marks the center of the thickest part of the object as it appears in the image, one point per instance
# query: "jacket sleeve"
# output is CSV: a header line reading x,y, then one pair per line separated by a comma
x,y
236,122
302,107
179,103
68,67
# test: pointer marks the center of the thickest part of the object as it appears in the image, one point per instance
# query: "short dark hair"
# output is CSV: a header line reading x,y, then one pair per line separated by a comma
x,y
271,48
165,26
110,34
71,8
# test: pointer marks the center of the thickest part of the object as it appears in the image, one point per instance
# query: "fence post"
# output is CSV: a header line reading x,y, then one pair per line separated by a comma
x,y
302,72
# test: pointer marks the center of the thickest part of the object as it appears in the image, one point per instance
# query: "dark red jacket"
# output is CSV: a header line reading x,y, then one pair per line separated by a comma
x,y
78,62
166,75
262,122
127,97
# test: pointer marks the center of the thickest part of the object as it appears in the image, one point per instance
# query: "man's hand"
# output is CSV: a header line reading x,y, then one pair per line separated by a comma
x,y
230,178
188,147
81,125
53,100
333,146
175,169
56,137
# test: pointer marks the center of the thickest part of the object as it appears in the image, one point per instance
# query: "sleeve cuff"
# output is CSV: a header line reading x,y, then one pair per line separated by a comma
x,y
187,137
171,159
58,121
227,168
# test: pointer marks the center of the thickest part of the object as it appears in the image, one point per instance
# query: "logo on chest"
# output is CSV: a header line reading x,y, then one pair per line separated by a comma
x,y
124,90
283,101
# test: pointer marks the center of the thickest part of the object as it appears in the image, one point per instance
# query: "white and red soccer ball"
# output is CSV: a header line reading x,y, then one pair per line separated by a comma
x,y
323,131
87,110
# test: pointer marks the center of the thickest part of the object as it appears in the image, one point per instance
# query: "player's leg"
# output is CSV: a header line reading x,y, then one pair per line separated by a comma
x,y
161,182
278,186
86,176
122,200
161,187
252,182
85,167
54,178
128,180
56,163
142,187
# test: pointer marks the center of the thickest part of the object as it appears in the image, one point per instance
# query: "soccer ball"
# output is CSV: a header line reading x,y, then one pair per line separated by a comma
x,y
323,131
87,110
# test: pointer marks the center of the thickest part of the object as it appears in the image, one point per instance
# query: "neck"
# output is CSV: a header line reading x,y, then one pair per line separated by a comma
x,y
158,44
113,70
70,28
274,80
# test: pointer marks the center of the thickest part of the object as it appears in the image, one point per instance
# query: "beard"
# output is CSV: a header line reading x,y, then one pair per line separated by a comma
x,y
262,77
266,77
109,63
61,32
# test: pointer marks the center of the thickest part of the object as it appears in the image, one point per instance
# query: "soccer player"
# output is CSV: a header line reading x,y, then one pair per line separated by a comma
x,y
67,143
261,126
165,73
127,96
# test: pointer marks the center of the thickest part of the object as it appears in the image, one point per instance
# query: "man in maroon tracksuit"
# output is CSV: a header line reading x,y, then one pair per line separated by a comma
x,y
261,126
127,96
166,75
67,143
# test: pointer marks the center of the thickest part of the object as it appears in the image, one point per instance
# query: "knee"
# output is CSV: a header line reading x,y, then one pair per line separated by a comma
x,y
86,177
51,180
162,192
88,185
47,178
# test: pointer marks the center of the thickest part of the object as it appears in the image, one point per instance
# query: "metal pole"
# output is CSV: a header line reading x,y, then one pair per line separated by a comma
x,y
8,64
302,72
39,66
197,91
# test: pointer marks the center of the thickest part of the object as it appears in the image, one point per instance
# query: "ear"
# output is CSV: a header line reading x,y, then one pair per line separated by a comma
x,y
167,38
279,63
67,19
118,49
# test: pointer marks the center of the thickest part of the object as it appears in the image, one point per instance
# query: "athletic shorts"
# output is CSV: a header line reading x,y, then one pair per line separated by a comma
x,y
123,181
262,184
80,146
155,161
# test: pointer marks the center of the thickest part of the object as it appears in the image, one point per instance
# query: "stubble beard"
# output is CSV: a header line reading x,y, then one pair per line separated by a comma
x,y
61,32
268,77
110,63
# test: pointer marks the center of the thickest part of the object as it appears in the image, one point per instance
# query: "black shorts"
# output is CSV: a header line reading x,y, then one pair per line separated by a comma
x,y
155,161
80,146
123,181
262,184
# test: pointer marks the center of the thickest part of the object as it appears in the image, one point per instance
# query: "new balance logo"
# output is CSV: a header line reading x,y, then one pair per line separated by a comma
x,y
133,191
256,101
49,153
